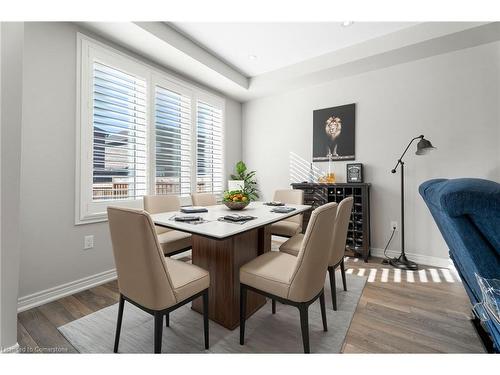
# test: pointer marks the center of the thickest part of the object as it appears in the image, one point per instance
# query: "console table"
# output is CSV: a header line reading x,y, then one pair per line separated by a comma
x,y
358,235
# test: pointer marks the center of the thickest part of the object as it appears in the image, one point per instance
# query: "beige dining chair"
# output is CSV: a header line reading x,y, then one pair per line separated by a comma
x,y
292,246
148,280
292,225
172,241
296,281
203,199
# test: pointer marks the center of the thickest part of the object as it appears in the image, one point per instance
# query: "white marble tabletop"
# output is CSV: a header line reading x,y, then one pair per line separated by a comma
x,y
220,229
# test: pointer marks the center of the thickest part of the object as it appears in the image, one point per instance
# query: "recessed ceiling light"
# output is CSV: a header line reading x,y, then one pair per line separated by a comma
x,y
347,23
252,57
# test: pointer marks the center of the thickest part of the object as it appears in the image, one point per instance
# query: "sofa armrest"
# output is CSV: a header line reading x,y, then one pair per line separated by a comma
x,y
476,199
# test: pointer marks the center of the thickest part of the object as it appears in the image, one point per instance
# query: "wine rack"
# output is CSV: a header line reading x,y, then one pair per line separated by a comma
x,y
358,234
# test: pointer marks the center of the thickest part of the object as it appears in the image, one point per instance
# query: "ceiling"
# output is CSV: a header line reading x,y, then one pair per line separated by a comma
x,y
289,55
257,48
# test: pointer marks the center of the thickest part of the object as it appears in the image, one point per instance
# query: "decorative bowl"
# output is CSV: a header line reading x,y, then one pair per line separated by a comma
x,y
236,205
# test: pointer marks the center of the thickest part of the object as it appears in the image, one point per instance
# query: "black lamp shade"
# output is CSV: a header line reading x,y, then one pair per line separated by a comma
x,y
424,146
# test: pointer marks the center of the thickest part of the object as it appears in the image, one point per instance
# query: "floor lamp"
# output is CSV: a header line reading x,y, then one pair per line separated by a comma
x,y
423,147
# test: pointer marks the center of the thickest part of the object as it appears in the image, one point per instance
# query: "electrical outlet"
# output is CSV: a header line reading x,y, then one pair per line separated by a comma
x,y
88,242
394,224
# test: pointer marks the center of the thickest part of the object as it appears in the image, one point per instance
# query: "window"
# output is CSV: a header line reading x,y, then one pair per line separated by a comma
x,y
141,132
172,142
209,177
119,134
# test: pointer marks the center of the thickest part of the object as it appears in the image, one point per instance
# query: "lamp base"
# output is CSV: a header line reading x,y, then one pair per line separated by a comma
x,y
403,263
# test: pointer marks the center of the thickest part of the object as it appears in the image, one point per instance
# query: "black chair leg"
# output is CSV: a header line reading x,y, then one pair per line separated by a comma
x,y
243,312
323,310
167,320
342,271
274,306
304,326
158,331
333,287
205,317
119,323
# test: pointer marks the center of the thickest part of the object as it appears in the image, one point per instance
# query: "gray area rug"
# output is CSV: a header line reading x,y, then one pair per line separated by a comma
x,y
265,333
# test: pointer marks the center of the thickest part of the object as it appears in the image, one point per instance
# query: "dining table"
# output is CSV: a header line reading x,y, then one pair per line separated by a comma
x,y
222,247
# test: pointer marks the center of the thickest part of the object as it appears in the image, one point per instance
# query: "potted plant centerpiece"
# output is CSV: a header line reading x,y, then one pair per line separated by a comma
x,y
239,199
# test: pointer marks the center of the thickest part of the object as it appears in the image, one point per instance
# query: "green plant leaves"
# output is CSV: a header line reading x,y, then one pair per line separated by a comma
x,y
241,167
250,185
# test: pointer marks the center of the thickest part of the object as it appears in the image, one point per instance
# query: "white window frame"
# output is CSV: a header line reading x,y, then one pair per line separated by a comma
x,y
88,49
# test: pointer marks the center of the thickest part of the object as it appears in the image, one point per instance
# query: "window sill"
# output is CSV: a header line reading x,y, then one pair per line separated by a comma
x,y
92,219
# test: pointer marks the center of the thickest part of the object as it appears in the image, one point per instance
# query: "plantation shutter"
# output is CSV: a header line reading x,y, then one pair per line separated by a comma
x,y
119,134
209,158
173,142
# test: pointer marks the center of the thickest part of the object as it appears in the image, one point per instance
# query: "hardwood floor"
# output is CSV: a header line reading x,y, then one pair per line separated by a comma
x,y
426,312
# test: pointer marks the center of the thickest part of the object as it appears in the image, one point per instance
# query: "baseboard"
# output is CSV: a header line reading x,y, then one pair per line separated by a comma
x,y
425,260
12,349
64,290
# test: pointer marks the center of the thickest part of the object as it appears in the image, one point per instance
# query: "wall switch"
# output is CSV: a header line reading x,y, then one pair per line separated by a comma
x,y
394,224
88,242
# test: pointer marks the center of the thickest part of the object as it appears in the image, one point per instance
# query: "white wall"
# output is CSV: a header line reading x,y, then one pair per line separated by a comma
x,y
232,135
452,99
11,86
52,246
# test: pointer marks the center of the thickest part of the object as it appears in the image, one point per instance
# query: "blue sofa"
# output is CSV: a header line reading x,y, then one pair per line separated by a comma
x,y
467,212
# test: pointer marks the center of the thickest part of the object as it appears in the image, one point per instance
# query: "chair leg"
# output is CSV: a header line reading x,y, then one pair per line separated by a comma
x,y
243,312
119,323
323,310
167,320
158,331
274,306
304,326
205,318
342,271
333,287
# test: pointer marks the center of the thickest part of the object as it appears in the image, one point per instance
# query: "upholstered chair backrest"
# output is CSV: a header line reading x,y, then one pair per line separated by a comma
x,y
340,230
314,254
155,204
140,263
204,199
291,196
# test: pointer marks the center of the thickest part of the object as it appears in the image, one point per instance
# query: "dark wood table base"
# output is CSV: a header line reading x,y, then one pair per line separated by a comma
x,y
223,259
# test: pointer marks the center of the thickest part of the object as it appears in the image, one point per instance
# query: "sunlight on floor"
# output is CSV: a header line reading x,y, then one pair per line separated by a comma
x,y
395,275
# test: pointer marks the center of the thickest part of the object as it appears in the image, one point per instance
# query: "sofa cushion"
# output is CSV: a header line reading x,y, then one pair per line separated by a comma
x,y
475,198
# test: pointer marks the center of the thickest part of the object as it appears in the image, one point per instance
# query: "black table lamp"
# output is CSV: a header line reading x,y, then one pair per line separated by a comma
x,y
423,147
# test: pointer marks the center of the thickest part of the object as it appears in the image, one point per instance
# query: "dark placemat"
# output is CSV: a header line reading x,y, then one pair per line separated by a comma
x,y
235,222
194,222
274,204
283,210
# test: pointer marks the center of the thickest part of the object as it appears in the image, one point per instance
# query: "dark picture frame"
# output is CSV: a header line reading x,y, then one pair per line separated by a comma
x,y
334,133
354,173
